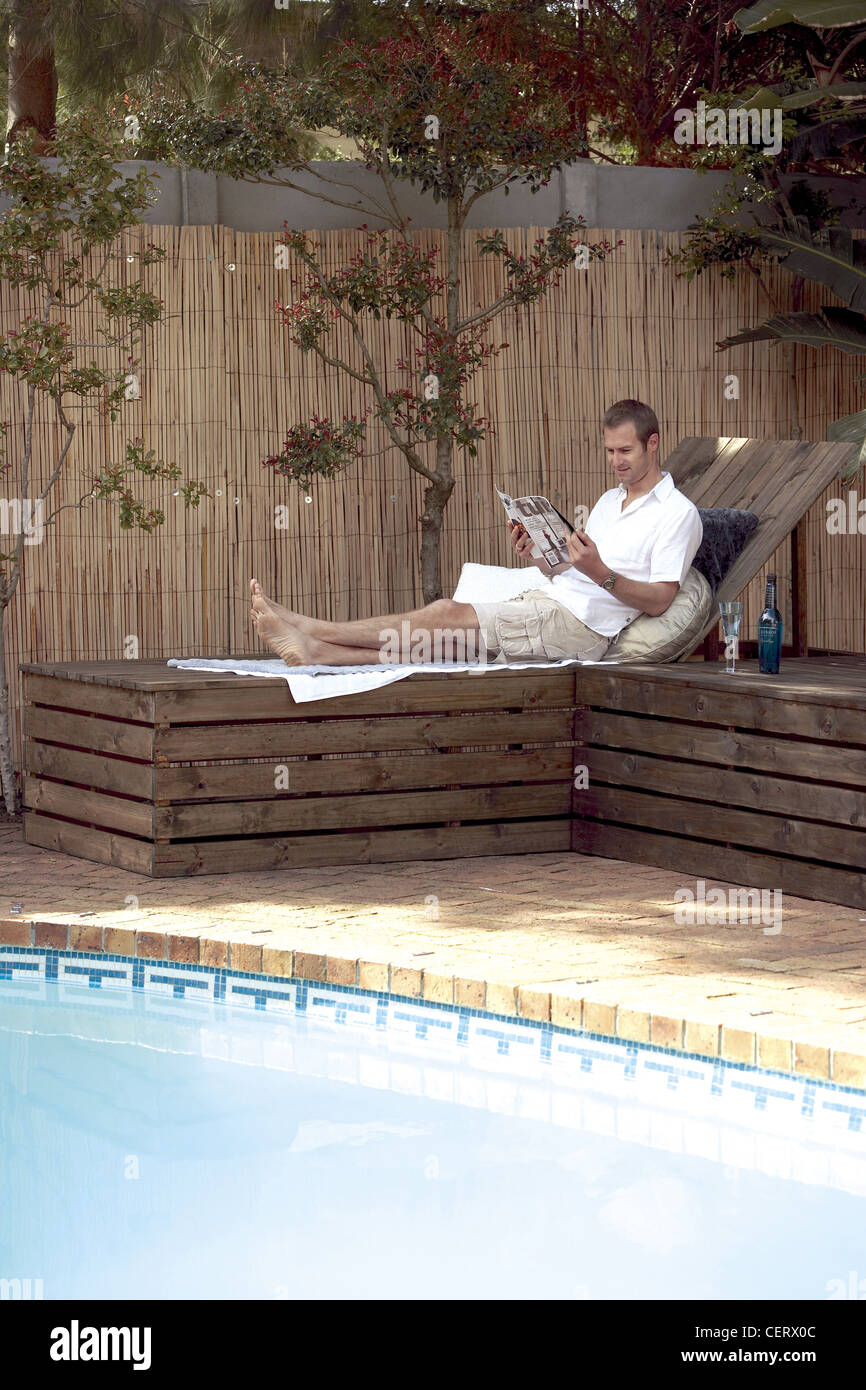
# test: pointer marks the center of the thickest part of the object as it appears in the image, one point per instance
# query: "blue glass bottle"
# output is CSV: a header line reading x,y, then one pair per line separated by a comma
x,y
770,632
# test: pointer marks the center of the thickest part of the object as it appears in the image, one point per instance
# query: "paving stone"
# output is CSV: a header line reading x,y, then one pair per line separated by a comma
x,y
511,927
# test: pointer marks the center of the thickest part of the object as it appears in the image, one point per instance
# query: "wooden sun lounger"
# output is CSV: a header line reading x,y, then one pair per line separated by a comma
x,y
778,480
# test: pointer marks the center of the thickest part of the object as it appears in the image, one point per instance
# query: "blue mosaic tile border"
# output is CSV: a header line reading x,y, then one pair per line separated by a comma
x,y
439,1026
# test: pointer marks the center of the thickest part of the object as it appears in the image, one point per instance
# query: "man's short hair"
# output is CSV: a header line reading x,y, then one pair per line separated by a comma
x,y
643,417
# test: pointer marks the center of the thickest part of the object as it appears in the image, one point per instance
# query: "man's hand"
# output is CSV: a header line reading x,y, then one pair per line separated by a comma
x,y
522,543
583,553
520,539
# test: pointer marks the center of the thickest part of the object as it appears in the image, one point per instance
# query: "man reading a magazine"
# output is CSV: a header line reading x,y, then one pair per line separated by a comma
x,y
640,539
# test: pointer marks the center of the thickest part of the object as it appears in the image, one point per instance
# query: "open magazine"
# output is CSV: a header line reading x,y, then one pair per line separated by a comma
x,y
547,528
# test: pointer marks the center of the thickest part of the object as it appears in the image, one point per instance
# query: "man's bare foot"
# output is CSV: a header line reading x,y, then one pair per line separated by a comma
x,y
290,644
288,615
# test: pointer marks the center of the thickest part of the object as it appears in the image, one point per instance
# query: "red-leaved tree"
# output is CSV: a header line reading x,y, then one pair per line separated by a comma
x,y
460,106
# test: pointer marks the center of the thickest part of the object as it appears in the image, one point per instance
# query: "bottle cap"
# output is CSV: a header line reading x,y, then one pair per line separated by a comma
x,y
771,579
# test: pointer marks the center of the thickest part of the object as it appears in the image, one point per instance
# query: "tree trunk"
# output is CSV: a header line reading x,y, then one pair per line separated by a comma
x,y
435,497
7,772
32,82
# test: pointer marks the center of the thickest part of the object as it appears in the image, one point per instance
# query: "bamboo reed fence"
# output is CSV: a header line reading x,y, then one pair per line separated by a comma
x,y
221,383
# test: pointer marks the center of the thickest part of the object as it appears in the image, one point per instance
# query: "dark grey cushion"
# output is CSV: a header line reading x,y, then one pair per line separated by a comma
x,y
726,531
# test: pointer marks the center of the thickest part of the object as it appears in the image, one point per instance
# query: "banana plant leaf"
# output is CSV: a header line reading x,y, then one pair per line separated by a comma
x,y
830,327
795,101
818,14
850,429
826,138
828,255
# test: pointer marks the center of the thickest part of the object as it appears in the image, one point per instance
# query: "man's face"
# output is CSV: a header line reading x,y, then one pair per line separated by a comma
x,y
628,458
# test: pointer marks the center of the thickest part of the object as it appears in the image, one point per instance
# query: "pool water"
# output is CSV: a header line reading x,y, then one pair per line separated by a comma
x,y
154,1147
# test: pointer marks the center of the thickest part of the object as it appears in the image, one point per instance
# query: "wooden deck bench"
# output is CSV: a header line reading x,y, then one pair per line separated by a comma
x,y
753,779
169,771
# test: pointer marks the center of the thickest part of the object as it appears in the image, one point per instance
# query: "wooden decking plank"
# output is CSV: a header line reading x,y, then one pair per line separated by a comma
x,y
842,806
98,808
185,743
752,868
88,769
338,776
749,829
60,692
750,712
830,763
713,686
362,847
100,845
352,812
414,695
100,735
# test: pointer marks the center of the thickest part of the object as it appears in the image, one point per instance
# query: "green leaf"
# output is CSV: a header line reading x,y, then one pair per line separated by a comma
x,y
850,429
828,255
830,327
768,97
818,14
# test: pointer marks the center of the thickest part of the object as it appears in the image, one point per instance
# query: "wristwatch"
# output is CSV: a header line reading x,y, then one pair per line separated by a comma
x,y
610,581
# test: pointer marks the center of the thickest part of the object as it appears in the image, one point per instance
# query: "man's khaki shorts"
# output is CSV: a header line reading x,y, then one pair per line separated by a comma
x,y
534,627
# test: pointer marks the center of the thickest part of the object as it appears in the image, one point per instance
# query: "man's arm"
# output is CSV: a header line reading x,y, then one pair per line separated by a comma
x,y
652,598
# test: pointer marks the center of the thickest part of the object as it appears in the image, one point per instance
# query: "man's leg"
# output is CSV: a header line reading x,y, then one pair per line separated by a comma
x,y
443,630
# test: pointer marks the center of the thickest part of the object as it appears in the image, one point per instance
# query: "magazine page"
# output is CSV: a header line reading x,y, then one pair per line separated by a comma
x,y
547,530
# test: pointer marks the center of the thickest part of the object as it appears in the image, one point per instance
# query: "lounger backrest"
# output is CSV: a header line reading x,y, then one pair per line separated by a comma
x,y
777,479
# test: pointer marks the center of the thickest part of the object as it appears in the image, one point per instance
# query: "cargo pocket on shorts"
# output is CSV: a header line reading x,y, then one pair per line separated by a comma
x,y
519,634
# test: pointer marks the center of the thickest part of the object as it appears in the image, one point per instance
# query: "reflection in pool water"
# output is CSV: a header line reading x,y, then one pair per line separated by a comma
x,y
347,1145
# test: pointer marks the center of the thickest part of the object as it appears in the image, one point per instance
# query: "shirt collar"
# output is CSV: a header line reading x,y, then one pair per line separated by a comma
x,y
662,489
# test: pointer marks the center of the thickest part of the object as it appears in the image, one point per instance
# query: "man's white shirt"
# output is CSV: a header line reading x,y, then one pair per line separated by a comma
x,y
653,540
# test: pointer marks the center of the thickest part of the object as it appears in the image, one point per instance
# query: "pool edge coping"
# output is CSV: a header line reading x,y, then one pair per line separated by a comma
x,y
567,1007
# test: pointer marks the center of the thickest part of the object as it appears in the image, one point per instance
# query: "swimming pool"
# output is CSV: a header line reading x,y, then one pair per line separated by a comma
x,y
179,1132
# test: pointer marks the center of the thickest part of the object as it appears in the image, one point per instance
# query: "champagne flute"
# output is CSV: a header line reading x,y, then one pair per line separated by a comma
x,y
731,615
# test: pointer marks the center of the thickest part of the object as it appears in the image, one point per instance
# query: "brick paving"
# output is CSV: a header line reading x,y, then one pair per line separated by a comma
x,y
581,941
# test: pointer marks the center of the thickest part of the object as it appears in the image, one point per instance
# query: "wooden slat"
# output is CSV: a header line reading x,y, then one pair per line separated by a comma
x,y
110,812
88,769
739,483
95,699
798,682
806,800
780,834
100,845
750,868
714,745
99,735
244,856
352,847
691,458
780,505
364,774
414,695
348,812
812,721
186,743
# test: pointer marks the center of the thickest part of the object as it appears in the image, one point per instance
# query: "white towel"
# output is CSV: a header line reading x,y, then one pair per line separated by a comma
x,y
478,583
324,682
